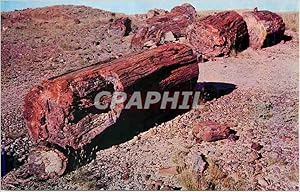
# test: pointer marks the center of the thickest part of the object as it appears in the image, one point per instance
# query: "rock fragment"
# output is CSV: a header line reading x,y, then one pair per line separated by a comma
x,y
169,171
121,27
210,131
198,164
256,146
46,163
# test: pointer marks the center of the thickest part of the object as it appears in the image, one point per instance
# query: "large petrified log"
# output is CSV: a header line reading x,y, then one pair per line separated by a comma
x,y
176,21
264,27
219,34
61,110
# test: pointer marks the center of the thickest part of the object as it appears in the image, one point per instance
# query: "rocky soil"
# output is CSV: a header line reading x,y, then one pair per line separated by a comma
x,y
262,111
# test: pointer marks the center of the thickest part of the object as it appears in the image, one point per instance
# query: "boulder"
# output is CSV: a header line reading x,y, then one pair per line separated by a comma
x,y
210,131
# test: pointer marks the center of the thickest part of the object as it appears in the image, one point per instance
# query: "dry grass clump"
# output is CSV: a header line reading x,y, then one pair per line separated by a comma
x,y
81,180
291,20
213,178
188,180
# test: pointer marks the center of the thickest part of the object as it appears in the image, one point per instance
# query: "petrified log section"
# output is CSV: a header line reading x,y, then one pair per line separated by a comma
x,y
176,21
46,163
264,27
155,12
216,35
61,110
120,27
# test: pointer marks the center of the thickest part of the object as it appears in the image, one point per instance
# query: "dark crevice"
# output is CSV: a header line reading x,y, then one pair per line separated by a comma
x,y
273,39
9,162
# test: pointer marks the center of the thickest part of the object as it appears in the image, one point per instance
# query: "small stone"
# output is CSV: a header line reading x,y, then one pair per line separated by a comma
x,y
256,146
253,156
169,37
182,40
166,188
77,21
261,181
198,164
168,171
149,43
147,177
134,140
210,131
233,137
158,184
125,176
151,186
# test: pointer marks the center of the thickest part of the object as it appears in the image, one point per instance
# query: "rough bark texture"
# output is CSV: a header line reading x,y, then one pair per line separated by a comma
x,y
176,21
264,27
216,35
61,110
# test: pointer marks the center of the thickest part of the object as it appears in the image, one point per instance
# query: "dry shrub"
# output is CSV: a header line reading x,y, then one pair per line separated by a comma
x,y
188,180
213,178
82,180
291,20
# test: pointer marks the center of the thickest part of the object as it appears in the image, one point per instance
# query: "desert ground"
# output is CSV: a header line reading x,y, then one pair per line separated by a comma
x,y
260,105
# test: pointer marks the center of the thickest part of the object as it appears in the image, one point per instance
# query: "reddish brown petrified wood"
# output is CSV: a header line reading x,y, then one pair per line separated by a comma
x,y
46,163
219,34
176,21
264,27
120,27
61,110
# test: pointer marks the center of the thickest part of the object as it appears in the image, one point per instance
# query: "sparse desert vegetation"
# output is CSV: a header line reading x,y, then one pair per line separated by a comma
x,y
291,20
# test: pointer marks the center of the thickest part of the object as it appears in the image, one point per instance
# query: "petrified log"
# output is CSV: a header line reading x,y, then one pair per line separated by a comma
x,y
264,27
46,163
176,21
155,12
43,163
120,27
219,34
61,110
